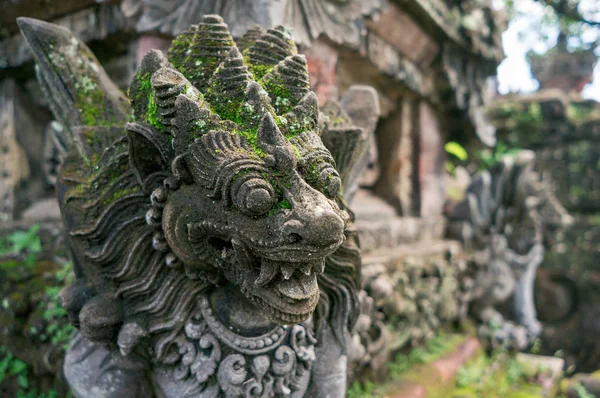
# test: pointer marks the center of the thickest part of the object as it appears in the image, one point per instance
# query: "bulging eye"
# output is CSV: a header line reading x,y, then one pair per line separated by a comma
x,y
255,197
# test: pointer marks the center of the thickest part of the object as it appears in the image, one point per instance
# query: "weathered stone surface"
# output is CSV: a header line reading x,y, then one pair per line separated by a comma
x,y
397,140
416,287
431,161
21,144
564,132
322,63
396,27
309,19
11,10
379,226
573,170
535,364
573,387
562,69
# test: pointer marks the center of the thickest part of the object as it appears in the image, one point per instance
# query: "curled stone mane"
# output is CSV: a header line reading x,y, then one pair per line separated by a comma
x,y
206,103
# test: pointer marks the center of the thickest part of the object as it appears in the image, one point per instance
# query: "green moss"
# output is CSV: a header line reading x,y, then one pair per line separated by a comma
x,y
282,204
257,70
152,114
117,194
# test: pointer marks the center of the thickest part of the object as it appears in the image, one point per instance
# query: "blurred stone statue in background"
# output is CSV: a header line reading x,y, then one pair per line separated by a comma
x,y
501,220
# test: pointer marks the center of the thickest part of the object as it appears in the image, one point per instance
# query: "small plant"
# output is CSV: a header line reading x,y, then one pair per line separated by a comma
x,y
26,242
456,150
581,391
364,390
487,157
11,366
58,332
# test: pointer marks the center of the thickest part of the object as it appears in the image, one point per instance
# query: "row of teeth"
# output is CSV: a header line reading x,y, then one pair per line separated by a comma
x,y
268,270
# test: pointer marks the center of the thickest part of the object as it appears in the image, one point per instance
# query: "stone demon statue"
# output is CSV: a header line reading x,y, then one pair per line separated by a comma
x,y
501,220
211,244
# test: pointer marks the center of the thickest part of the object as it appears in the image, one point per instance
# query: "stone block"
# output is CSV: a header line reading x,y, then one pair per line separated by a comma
x,y
432,174
21,143
400,30
397,140
321,59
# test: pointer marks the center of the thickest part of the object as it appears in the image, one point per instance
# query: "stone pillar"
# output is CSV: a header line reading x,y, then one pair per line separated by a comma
x,y
431,163
397,144
21,143
322,64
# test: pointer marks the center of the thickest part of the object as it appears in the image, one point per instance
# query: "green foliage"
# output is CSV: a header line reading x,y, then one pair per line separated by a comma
x,y
458,152
454,148
488,157
581,391
364,390
441,344
496,375
59,330
13,367
539,19
23,242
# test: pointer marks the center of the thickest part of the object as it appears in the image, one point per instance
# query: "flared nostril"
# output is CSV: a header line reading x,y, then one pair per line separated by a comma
x,y
294,238
293,230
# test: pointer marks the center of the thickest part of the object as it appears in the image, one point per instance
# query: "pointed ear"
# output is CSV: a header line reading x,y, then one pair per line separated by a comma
x,y
79,96
148,151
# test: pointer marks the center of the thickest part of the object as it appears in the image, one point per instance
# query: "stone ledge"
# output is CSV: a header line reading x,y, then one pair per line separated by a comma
x,y
395,257
398,232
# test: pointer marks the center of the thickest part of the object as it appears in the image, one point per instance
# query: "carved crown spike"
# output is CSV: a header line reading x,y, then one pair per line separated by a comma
x,y
191,120
305,115
270,49
288,82
197,55
228,85
168,84
269,134
250,37
271,140
256,103
140,90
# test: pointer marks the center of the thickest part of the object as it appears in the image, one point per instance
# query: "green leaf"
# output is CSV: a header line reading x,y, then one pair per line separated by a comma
x,y
19,241
17,366
35,246
454,148
22,380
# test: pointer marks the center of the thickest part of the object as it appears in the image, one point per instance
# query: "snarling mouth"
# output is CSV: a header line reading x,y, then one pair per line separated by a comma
x,y
287,291
281,279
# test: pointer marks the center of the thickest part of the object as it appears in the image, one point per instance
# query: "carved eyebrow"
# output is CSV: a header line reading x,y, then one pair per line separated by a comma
x,y
311,149
218,157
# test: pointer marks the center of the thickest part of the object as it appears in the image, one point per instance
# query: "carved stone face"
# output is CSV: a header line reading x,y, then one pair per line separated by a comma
x,y
256,193
267,224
